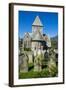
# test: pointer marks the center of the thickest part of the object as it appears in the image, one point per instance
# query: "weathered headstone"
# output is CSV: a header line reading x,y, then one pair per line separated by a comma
x,y
38,62
52,66
30,57
23,63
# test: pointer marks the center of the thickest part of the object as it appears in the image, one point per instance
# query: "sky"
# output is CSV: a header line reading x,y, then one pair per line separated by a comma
x,y
48,19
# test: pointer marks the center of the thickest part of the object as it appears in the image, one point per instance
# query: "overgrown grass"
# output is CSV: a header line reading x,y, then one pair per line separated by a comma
x,y
40,74
32,74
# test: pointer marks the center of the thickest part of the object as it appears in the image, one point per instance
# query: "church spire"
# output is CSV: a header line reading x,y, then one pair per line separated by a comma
x,y
37,22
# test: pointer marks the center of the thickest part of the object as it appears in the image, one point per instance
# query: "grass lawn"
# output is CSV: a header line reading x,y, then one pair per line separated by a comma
x,y
32,74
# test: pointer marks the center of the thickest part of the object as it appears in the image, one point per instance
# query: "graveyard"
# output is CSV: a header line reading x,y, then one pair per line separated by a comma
x,y
38,56
39,66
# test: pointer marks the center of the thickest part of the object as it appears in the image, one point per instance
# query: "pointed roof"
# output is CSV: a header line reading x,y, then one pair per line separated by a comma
x,y
27,35
37,22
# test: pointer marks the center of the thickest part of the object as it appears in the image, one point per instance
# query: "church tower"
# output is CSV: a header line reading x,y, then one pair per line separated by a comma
x,y
37,34
37,26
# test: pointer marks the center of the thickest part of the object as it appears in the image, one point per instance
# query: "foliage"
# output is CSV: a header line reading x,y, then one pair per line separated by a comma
x,y
27,49
32,74
45,72
54,42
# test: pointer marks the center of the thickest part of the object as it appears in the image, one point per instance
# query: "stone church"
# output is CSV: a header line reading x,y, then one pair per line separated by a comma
x,y
36,39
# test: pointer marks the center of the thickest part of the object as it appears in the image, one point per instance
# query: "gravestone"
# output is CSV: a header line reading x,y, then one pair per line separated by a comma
x,y
23,63
37,63
52,67
30,57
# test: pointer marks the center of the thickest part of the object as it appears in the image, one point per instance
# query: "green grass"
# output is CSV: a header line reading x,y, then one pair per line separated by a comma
x,y
43,74
30,74
33,74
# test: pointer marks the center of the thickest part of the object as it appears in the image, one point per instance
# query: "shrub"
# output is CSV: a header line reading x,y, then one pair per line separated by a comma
x,y
27,49
45,73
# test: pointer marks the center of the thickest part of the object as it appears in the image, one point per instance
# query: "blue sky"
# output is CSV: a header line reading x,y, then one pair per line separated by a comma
x,y
48,19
